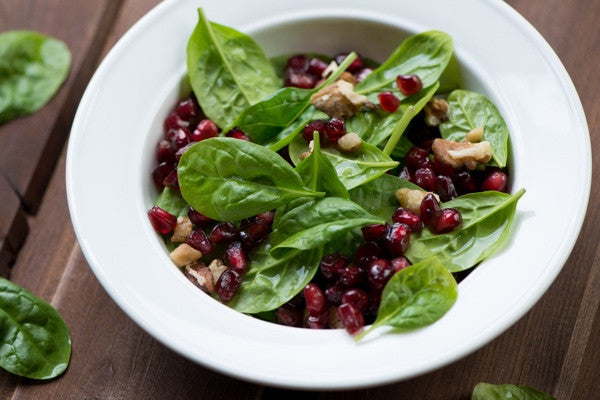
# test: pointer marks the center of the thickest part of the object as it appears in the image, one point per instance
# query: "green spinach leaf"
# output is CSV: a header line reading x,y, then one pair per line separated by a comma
x,y
32,68
228,71
487,218
416,296
285,136
487,391
379,196
171,201
35,341
470,110
229,179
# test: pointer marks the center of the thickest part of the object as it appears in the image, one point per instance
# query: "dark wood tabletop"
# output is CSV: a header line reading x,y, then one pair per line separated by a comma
x,y
555,347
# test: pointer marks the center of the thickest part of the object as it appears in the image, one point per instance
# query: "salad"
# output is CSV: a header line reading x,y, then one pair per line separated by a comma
x,y
330,192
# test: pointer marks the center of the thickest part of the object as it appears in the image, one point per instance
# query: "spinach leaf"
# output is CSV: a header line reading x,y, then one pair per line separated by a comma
x,y
355,169
171,201
32,68
318,174
487,218
425,55
229,179
273,280
35,341
416,296
228,71
379,196
470,110
315,223
487,391
285,136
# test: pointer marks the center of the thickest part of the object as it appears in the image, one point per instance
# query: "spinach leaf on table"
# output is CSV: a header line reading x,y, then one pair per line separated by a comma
x,y
416,296
32,68
230,179
171,201
488,391
470,110
34,340
487,218
228,71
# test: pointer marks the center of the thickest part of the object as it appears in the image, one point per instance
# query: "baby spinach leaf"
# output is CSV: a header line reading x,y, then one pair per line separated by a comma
x,y
229,179
315,223
318,174
355,169
487,218
416,296
171,201
379,196
470,110
32,68
272,280
285,136
425,55
34,340
228,71
488,391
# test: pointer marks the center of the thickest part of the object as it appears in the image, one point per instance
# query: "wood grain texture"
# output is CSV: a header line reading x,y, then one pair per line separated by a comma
x,y
13,226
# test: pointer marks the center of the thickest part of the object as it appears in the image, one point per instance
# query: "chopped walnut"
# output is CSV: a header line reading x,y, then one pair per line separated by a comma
x,y
217,268
474,135
185,254
201,276
182,231
349,143
348,77
411,198
462,153
330,69
338,99
436,112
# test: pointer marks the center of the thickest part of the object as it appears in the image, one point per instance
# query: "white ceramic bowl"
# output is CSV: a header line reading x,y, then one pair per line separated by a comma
x,y
119,119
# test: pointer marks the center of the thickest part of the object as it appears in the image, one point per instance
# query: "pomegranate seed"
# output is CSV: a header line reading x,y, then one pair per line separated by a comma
x,y
397,239
465,183
187,109
199,219
399,263
334,293
379,273
358,297
320,321
363,73
496,180
366,253
172,180
182,150
443,168
311,127
315,299
171,133
253,234
354,66
228,284
265,218
297,301
162,221
316,66
174,121
181,139
335,128
444,187
415,156
351,317
161,172
288,316
430,210
449,219
206,129
388,101
406,175
298,62
301,80
238,133
164,152
374,232
236,258
407,217
224,233
425,178
332,264
351,276
409,84
199,241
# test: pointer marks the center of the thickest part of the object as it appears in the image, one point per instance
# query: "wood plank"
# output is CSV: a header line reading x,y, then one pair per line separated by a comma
x,y
13,226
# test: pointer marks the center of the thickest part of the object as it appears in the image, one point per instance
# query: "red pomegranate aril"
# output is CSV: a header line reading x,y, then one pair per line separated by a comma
x,y
298,62
335,128
311,127
199,241
253,234
496,180
199,219
187,109
266,217
224,233
415,156
358,297
171,180
174,121
464,182
302,80
379,273
315,299
181,139
317,321
374,232
406,174
409,84
288,316
162,221
399,263
351,317
237,133
351,276
365,253
397,239
448,220
316,66
363,73
228,284
425,178
442,168
334,292
235,257
407,217
332,264
179,153
354,66
388,101
205,129
161,172
164,152
430,210
444,187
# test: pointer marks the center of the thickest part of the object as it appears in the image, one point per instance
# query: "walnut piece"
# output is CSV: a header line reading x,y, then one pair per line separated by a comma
x,y
217,267
185,254
201,276
436,112
338,99
474,135
411,198
349,143
182,231
462,153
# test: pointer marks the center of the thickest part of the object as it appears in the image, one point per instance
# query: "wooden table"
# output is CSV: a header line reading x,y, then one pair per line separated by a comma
x,y
555,347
